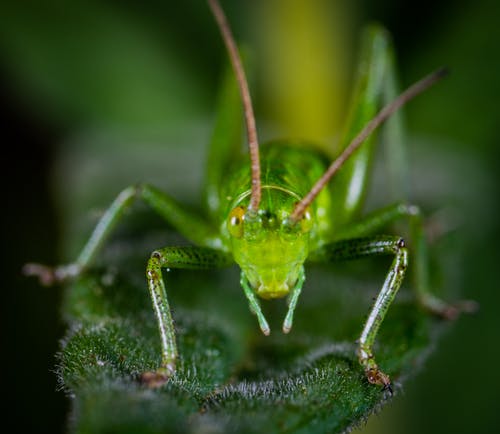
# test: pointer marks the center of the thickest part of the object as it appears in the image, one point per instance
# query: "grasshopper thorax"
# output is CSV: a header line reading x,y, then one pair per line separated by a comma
x,y
269,248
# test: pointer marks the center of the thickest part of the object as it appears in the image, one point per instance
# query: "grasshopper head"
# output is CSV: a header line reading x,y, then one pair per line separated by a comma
x,y
269,249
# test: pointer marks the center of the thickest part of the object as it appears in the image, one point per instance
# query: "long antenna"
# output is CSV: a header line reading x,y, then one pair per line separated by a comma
x,y
253,142
382,115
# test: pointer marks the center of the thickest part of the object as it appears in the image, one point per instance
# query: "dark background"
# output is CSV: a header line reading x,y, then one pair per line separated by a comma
x,y
50,91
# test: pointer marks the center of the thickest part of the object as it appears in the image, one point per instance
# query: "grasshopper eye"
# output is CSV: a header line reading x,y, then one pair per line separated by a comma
x,y
235,222
306,222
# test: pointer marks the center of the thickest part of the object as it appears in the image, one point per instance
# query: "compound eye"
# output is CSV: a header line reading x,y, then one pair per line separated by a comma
x,y
235,222
306,222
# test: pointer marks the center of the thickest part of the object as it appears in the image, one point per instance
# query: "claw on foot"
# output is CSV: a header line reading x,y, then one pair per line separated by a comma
x,y
376,376
155,379
467,306
452,311
449,311
47,275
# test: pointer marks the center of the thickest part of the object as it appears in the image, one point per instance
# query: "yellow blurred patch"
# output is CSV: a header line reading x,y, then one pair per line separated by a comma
x,y
303,50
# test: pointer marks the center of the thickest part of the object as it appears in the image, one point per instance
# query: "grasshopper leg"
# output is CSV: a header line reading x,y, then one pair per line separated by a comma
x,y
187,223
382,303
380,219
195,258
365,247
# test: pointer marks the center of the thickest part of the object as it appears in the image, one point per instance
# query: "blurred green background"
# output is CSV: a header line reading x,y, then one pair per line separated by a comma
x,y
91,77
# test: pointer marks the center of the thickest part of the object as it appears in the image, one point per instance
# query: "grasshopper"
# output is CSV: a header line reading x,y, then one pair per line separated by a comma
x,y
275,210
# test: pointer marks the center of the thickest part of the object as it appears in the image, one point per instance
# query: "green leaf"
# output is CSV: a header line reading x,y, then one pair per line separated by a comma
x,y
230,378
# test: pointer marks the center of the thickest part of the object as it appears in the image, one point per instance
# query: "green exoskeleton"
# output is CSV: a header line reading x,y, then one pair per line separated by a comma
x,y
275,209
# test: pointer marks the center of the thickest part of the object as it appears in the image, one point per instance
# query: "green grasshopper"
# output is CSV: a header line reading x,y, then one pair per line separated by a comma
x,y
275,209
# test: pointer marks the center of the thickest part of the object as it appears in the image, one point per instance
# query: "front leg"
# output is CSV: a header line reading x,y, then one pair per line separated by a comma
x,y
195,258
371,246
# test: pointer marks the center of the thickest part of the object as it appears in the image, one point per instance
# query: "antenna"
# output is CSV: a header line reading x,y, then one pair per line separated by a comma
x,y
381,116
253,143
